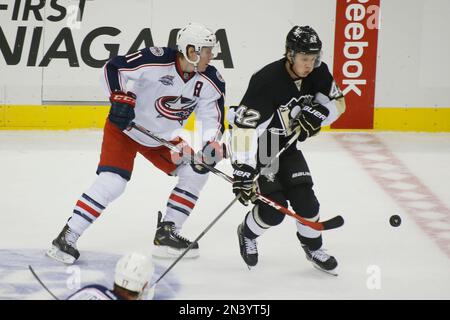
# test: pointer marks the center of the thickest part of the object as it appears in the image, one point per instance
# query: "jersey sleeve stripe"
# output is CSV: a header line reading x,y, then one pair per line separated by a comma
x,y
106,78
220,124
213,84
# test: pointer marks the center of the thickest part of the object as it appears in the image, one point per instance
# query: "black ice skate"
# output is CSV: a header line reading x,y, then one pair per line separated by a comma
x,y
249,251
321,260
64,246
169,244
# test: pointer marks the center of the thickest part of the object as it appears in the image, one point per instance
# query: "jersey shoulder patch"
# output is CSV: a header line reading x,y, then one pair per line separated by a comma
x,y
159,54
152,55
215,77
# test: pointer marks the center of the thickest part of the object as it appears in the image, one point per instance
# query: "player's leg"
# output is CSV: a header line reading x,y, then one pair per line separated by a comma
x,y
298,184
114,170
168,241
256,223
260,219
180,204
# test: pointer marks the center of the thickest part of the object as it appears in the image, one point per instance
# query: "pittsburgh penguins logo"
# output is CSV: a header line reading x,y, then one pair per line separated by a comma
x,y
175,108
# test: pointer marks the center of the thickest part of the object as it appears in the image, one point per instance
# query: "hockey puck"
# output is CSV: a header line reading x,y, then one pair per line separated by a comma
x,y
395,220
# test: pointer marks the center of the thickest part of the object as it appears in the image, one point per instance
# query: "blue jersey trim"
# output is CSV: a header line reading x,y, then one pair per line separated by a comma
x,y
153,55
213,74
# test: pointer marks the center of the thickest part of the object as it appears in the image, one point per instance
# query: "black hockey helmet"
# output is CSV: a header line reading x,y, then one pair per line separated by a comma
x,y
303,39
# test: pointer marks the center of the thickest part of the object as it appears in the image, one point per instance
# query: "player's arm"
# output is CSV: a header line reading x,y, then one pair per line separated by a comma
x,y
117,72
327,106
210,116
120,69
329,95
249,120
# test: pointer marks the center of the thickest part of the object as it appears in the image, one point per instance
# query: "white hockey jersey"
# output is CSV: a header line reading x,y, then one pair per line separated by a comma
x,y
166,96
93,292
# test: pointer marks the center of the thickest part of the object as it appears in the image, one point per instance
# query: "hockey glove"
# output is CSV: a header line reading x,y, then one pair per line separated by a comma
x,y
122,108
310,120
243,184
212,153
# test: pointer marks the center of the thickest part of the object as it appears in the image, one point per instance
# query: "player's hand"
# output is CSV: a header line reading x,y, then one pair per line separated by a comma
x,y
243,184
310,120
212,153
186,154
122,108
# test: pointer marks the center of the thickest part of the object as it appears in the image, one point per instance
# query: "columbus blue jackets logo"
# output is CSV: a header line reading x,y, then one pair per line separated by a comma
x,y
175,108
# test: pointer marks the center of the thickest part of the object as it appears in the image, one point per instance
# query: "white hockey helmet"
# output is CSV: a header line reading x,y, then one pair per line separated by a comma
x,y
133,272
198,36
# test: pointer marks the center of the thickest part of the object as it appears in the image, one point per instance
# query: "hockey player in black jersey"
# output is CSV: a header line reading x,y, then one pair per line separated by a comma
x,y
294,95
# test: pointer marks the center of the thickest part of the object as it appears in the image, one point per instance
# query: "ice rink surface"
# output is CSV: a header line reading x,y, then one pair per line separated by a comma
x,y
365,177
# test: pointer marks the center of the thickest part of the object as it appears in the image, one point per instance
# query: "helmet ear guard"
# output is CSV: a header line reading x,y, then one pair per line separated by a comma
x,y
198,36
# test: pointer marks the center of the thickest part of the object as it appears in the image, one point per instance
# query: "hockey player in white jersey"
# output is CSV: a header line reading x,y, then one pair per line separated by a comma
x,y
168,86
131,278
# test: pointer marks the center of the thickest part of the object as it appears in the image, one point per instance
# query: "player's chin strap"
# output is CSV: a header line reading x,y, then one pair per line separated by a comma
x,y
332,223
194,63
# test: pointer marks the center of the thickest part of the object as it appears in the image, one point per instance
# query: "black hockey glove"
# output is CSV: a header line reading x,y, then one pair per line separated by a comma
x,y
310,120
212,153
243,184
122,108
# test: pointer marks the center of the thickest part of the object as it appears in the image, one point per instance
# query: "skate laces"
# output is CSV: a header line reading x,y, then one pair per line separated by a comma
x,y
320,255
71,237
177,235
250,245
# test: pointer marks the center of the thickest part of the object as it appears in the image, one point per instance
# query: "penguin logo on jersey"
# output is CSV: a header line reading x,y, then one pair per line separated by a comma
x,y
175,108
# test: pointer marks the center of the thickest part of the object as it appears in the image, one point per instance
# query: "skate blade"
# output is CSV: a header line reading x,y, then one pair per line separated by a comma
x,y
330,272
250,268
60,256
165,252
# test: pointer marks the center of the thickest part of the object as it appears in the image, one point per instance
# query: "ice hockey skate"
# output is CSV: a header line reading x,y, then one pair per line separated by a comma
x,y
169,244
248,247
64,246
321,260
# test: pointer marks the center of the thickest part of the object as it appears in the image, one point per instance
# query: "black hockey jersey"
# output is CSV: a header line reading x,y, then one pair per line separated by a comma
x,y
271,89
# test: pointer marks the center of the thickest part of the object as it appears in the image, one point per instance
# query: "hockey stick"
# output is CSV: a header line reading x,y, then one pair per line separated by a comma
x,y
332,223
42,284
196,240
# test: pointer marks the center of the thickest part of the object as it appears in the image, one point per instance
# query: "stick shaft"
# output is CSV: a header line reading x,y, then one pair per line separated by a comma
x,y
42,283
332,223
197,239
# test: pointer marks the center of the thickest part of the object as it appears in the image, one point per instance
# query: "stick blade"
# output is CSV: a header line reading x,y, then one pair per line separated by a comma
x,y
333,223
